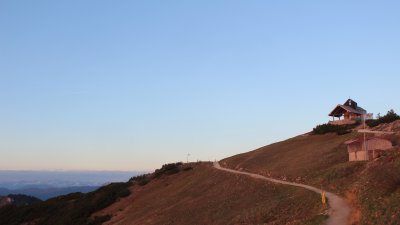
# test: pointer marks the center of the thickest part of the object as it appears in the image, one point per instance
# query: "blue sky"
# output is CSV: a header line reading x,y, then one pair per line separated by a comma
x,y
130,85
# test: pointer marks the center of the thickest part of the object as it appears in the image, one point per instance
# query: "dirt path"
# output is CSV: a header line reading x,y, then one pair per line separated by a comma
x,y
339,211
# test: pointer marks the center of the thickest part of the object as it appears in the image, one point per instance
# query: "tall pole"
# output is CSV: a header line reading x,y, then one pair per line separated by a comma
x,y
365,147
187,158
365,142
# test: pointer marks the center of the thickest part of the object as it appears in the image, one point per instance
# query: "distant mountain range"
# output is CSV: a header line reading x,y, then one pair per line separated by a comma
x,y
23,179
45,193
49,184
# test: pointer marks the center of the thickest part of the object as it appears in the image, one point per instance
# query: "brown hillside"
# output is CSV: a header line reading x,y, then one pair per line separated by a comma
x,y
205,195
295,158
388,127
321,160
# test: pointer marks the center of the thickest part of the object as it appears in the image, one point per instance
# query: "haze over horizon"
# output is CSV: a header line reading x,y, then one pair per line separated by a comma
x,y
44,179
99,85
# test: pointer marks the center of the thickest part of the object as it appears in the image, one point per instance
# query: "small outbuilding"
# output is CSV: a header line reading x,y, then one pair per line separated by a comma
x,y
368,149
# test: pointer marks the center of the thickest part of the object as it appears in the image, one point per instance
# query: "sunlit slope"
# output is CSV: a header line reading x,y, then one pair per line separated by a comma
x,y
205,195
300,158
372,187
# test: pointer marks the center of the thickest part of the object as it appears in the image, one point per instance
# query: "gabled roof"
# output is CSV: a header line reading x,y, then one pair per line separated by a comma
x,y
339,110
384,144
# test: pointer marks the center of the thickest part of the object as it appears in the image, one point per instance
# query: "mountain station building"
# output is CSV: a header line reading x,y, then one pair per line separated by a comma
x,y
348,113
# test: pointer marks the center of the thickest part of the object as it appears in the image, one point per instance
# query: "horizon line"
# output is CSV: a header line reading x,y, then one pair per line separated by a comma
x,y
71,170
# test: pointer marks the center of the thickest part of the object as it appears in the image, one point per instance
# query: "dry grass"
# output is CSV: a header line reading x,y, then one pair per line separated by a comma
x,y
299,157
379,190
208,196
373,188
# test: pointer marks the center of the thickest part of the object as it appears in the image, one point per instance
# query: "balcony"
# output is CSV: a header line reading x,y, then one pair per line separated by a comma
x,y
343,122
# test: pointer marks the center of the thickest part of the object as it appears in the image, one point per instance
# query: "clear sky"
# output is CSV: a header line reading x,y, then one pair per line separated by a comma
x,y
130,85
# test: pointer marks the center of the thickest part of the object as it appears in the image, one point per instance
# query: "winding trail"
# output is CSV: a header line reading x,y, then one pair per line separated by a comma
x,y
339,211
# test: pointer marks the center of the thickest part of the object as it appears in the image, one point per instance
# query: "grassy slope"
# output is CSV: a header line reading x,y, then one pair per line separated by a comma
x,y
321,160
208,196
299,157
378,191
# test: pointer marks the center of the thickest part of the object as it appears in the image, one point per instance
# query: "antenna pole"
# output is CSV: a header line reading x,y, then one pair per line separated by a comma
x,y
365,142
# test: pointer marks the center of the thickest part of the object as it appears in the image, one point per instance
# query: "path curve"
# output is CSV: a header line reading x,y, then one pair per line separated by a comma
x,y
339,211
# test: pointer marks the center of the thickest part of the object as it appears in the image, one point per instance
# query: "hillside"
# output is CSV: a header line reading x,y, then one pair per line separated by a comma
x,y
205,195
17,200
74,208
197,193
188,194
372,187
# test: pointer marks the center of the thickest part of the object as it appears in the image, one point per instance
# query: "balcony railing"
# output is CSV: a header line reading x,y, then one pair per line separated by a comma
x,y
342,122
